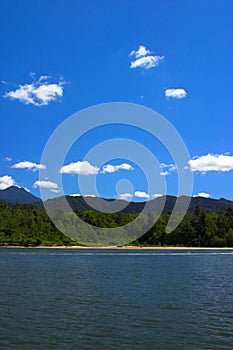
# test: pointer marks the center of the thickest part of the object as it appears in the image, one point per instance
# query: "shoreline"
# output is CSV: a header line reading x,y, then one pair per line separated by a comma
x,y
117,248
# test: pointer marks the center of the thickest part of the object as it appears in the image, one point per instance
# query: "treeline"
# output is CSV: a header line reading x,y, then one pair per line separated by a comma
x,y
198,229
27,225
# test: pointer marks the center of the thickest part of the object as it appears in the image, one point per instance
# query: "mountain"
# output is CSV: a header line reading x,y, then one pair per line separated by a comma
x,y
15,194
109,205
210,204
164,204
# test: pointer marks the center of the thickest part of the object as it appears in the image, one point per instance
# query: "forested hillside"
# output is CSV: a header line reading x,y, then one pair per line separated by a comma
x,y
26,224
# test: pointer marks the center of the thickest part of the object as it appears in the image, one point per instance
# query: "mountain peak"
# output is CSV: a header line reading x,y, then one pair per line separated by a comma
x,y
14,194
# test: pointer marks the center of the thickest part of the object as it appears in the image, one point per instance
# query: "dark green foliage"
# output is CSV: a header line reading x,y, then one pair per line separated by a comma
x,y
27,225
198,229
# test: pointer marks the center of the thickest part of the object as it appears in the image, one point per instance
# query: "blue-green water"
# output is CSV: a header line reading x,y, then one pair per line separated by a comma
x,y
97,299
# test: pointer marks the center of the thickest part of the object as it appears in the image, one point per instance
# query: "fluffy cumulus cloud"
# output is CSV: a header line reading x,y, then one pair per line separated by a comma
x,y
175,93
46,184
157,195
141,194
80,168
164,173
144,59
55,190
141,52
28,165
38,93
167,169
6,181
108,168
90,195
125,196
211,162
202,194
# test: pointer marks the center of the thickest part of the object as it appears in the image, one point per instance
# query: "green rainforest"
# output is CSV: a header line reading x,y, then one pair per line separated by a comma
x,y
29,225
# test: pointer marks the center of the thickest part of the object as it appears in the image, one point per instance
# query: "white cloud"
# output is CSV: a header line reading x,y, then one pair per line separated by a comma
x,y
147,62
28,165
142,51
43,77
8,159
55,190
141,194
202,194
212,162
175,93
125,196
6,181
157,195
167,169
164,173
38,93
80,168
144,59
171,167
108,168
75,195
26,189
45,184
90,195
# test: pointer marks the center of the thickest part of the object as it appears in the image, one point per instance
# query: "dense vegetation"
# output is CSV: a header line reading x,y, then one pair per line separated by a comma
x,y
198,229
26,224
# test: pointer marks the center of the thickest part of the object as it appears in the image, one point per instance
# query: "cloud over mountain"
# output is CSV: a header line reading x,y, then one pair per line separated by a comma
x,y
6,181
141,194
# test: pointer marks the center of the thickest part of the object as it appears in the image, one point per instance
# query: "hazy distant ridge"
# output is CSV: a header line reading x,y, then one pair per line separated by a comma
x,y
15,194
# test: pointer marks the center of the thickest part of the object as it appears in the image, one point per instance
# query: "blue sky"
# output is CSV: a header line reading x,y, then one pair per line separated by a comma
x,y
175,57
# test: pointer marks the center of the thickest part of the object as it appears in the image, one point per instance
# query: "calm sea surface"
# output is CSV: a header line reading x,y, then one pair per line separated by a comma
x,y
96,299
